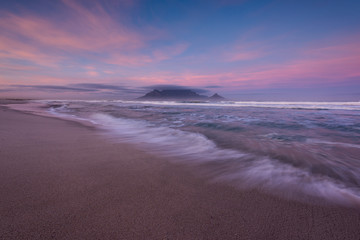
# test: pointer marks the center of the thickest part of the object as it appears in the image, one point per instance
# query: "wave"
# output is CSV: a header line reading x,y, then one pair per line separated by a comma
x,y
240,168
287,105
245,170
348,145
269,104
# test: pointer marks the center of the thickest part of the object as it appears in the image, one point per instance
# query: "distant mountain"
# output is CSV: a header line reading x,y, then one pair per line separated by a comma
x,y
178,94
172,94
216,97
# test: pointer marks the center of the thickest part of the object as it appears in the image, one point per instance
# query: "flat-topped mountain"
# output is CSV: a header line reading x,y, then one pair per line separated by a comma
x,y
216,97
176,94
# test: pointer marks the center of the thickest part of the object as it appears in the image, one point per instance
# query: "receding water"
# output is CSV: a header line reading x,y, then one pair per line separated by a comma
x,y
297,150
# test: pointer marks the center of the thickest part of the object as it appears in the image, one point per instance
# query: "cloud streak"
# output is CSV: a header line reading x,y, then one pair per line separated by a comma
x,y
75,88
96,36
316,65
74,46
313,65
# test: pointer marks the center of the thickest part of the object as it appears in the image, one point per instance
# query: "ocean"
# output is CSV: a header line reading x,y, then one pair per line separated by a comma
x,y
307,151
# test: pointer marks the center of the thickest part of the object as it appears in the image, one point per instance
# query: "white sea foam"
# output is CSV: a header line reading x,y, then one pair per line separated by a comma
x,y
244,170
317,141
40,108
167,140
268,104
287,105
31,107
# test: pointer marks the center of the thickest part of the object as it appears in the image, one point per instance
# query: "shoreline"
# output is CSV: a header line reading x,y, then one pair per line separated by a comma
x,y
61,179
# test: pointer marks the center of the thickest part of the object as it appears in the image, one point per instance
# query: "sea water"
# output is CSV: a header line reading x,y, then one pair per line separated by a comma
x,y
299,150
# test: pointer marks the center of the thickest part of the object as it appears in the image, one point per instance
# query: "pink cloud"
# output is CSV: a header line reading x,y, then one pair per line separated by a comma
x,y
329,64
92,73
93,34
315,65
332,63
54,51
16,67
93,31
17,50
186,79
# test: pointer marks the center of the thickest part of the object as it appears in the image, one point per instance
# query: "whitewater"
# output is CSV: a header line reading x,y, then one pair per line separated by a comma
x,y
307,151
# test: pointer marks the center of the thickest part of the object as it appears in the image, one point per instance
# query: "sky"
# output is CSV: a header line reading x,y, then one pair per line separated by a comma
x,y
247,50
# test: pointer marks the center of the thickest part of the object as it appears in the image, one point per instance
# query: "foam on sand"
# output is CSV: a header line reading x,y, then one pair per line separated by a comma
x,y
245,170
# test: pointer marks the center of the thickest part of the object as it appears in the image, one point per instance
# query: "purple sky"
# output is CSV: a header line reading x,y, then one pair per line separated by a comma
x,y
244,50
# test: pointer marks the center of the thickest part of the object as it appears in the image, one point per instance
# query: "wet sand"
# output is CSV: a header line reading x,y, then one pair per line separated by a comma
x,y
62,180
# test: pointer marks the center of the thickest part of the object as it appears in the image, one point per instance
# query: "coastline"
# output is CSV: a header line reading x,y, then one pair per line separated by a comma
x,y
62,180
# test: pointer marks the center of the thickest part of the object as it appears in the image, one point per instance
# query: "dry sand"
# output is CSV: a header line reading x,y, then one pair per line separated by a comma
x,y
62,180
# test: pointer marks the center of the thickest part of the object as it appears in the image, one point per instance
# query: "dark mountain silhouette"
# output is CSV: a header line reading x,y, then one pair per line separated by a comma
x,y
178,94
216,97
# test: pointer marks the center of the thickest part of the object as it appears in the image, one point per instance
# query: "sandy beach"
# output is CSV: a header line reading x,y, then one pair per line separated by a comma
x,y
62,180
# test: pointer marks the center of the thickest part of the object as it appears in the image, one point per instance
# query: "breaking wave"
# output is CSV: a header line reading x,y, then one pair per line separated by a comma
x,y
297,154
245,170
